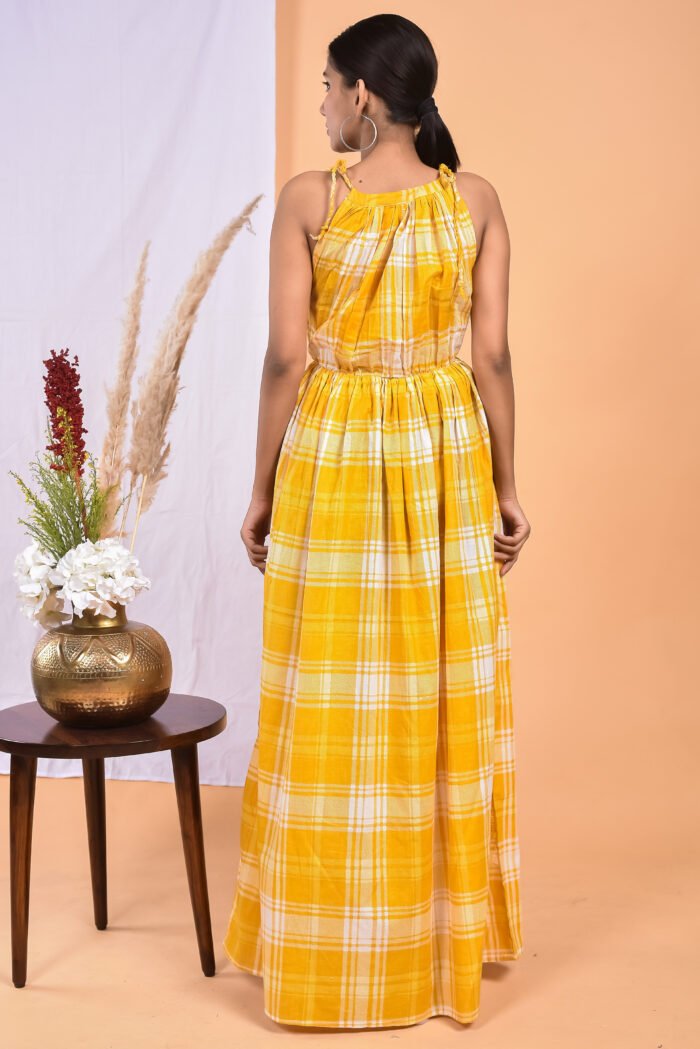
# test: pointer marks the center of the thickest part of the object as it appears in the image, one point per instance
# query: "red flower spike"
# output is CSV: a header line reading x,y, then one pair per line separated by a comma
x,y
61,385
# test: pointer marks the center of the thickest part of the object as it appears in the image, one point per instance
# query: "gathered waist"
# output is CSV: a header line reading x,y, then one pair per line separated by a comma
x,y
381,374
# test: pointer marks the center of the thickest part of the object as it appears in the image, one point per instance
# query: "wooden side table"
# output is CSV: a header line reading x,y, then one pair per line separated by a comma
x,y
28,733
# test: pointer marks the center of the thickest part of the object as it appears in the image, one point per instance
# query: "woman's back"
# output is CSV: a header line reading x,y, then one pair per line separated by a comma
x,y
391,289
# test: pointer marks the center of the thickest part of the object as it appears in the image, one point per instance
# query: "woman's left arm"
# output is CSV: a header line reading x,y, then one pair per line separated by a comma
x,y
285,358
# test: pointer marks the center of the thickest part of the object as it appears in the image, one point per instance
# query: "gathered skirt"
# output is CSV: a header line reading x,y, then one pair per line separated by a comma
x,y
379,859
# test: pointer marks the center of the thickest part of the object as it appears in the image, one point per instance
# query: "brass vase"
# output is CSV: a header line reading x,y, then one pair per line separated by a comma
x,y
101,672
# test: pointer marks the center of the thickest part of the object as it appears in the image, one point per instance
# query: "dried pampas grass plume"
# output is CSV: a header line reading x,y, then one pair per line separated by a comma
x,y
111,461
159,387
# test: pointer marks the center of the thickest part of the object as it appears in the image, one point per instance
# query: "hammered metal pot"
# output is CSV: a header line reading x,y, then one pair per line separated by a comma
x,y
97,672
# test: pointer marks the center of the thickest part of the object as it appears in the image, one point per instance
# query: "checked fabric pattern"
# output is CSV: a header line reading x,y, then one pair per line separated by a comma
x,y
379,863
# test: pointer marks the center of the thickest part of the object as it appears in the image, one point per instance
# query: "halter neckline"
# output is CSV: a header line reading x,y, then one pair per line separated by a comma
x,y
393,194
397,196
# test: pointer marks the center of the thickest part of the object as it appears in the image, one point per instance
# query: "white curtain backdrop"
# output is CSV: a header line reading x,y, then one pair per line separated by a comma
x,y
125,122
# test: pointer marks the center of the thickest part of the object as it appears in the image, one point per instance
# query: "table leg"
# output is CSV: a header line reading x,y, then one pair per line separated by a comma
x,y
94,784
22,788
186,770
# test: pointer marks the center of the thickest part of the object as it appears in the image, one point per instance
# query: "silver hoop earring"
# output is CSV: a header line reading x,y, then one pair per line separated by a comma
x,y
356,148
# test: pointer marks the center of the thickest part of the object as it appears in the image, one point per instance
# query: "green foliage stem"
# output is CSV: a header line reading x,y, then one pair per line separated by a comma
x,y
69,513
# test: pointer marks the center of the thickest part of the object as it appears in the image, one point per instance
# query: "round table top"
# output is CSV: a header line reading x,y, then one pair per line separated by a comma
x,y
29,730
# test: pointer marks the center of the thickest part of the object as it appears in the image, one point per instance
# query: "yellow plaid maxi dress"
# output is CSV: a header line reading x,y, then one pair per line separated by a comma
x,y
379,863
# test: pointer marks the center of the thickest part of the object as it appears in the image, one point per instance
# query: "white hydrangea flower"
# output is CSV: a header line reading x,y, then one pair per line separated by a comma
x,y
52,613
97,575
93,576
34,591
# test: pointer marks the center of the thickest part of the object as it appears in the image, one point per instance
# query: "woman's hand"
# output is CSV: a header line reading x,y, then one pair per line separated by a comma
x,y
255,527
507,546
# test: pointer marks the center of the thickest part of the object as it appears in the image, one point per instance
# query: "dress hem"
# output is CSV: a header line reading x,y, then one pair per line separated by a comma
x,y
436,1010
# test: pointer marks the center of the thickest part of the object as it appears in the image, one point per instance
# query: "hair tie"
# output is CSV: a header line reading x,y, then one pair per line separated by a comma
x,y
427,106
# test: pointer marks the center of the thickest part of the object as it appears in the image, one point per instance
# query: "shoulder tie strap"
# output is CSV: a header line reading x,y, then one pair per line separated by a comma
x,y
447,175
339,166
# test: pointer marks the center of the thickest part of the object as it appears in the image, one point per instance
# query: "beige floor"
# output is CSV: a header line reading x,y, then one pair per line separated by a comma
x,y
610,932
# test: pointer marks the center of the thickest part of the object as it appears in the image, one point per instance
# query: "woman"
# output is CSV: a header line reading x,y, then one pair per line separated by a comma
x,y
379,854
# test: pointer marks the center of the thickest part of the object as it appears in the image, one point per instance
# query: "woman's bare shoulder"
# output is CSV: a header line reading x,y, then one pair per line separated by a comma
x,y
306,195
307,187
481,199
477,189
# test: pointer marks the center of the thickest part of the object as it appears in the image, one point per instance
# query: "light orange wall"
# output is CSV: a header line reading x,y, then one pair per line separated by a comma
x,y
581,115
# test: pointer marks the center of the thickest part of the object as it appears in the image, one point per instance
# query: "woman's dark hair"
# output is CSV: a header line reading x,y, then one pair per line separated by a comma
x,y
397,62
